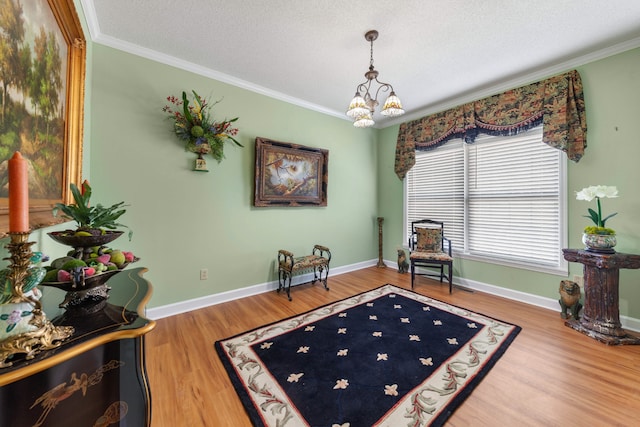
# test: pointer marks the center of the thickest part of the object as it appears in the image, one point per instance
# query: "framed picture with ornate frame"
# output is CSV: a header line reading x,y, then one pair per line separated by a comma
x,y
42,115
290,174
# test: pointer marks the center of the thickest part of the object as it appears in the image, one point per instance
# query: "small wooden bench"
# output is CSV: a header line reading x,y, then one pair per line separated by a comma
x,y
289,266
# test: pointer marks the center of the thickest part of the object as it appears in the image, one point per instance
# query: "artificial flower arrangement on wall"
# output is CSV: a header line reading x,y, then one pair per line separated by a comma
x,y
194,125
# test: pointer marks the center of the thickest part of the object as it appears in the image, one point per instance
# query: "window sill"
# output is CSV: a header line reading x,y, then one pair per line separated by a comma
x,y
562,270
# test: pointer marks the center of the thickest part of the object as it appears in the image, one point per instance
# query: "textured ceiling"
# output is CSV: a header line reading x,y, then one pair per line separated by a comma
x,y
435,53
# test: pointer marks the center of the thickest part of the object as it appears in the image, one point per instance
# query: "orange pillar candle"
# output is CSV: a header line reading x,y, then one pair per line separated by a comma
x,y
18,194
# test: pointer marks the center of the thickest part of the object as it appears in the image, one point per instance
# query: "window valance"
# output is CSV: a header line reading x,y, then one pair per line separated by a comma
x,y
557,103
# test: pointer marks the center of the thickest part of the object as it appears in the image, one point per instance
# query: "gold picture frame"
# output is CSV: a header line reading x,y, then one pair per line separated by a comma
x,y
48,134
290,174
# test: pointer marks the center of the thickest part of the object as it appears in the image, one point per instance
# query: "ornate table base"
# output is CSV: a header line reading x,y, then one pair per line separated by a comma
x,y
601,316
626,338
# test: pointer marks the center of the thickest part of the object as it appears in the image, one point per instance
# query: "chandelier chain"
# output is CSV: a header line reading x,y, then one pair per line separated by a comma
x,y
371,60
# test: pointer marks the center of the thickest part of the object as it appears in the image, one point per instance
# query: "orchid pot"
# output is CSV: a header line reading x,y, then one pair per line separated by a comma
x,y
603,243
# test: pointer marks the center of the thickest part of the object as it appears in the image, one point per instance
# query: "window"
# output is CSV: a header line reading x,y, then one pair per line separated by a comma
x,y
502,199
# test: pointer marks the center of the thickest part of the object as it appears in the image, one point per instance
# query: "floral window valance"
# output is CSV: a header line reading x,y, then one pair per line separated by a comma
x,y
557,103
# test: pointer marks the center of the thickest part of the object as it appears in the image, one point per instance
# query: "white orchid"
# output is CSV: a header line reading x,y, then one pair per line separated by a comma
x,y
597,192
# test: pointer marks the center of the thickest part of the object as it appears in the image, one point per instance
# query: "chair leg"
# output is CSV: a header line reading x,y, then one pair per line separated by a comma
x,y
284,282
413,274
287,281
281,277
322,268
450,282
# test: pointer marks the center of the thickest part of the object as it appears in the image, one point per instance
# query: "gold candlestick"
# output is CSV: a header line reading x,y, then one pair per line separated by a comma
x,y
38,333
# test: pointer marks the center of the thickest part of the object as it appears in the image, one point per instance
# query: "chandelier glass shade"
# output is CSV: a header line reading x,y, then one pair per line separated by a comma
x,y
364,121
363,104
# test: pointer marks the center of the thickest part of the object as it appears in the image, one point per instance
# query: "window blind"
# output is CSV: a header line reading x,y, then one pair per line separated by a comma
x,y
435,190
514,198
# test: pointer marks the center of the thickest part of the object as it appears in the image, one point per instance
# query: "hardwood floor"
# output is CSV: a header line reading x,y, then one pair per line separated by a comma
x,y
550,376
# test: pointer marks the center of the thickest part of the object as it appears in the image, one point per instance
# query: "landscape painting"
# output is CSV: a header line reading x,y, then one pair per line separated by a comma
x,y
41,77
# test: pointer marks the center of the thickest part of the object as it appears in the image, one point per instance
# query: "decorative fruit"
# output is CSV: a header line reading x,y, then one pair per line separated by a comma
x,y
117,257
128,256
105,258
72,264
58,263
64,276
87,262
51,276
197,131
100,267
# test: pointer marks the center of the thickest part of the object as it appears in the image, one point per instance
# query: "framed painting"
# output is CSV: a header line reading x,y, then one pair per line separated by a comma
x,y
41,114
290,174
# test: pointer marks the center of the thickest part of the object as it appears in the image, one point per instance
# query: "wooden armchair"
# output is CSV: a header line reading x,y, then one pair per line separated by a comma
x,y
430,249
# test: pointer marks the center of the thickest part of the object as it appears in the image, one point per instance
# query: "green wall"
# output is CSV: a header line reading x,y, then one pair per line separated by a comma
x,y
611,88
184,220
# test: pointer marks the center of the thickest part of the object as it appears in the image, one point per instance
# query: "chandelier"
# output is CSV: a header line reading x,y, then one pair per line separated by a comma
x,y
363,103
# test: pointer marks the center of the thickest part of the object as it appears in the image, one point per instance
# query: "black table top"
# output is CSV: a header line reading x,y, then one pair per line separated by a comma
x,y
120,316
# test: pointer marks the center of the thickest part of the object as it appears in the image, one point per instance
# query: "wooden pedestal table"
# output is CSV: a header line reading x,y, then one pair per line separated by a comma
x,y
601,315
97,377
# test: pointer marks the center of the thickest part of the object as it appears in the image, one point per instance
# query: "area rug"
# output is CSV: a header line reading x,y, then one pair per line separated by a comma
x,y
385,357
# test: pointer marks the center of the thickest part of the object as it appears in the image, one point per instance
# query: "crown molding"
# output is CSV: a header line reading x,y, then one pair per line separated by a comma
x,y
506,84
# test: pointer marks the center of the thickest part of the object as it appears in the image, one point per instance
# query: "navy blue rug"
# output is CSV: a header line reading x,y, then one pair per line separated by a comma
x,y
386,357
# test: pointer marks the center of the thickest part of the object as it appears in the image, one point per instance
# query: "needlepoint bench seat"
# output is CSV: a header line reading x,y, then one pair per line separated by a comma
x,y
289,266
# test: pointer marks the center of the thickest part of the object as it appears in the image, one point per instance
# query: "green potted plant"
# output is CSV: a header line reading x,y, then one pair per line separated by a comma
x,y
90,220
598,237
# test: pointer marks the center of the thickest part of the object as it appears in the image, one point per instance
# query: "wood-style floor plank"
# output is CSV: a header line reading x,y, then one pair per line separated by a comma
x,y
550,376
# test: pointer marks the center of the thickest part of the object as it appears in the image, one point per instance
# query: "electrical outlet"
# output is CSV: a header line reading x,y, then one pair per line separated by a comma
x,y
204,274
579,280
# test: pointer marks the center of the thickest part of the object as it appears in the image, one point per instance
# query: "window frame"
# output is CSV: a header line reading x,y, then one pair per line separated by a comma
x,y
562,266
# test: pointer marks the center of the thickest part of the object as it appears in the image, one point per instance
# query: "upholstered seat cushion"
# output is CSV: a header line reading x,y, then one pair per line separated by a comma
x,y
305,262
437,256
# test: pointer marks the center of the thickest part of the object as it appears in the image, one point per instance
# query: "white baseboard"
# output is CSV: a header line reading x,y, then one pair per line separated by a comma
x,y
630,323
156,313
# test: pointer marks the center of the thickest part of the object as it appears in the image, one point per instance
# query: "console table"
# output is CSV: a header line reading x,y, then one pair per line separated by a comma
x,y
97,377
601,315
